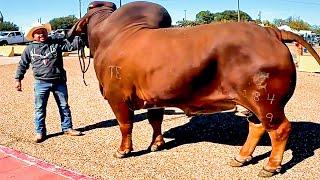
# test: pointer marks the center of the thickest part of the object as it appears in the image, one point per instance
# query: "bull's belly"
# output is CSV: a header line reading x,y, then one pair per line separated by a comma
x,y
193,109
198,103
208,108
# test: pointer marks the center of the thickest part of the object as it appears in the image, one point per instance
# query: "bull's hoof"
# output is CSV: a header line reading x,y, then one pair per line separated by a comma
x,y
268,173
157,146
122,154
235,162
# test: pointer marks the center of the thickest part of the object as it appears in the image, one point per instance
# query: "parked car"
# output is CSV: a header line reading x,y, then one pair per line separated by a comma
x,y
12,37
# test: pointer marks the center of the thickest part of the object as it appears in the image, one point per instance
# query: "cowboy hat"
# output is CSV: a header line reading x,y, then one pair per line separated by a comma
x,y
34,27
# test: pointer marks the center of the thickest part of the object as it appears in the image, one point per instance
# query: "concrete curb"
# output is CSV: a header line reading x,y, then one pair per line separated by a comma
x,y
43,165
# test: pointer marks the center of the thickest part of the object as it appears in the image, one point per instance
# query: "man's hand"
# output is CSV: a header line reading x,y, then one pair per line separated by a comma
x,y
18,85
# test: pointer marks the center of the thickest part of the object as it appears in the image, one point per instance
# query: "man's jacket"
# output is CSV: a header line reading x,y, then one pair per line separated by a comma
x,y
46,59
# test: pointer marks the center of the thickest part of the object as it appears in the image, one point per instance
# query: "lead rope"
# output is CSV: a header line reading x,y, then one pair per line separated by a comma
x,y
82,57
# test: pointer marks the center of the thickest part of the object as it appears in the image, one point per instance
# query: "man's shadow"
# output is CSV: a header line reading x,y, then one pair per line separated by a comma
x,y
226,128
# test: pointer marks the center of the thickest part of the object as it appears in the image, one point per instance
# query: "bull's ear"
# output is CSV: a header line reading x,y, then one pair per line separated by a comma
x,y
78,28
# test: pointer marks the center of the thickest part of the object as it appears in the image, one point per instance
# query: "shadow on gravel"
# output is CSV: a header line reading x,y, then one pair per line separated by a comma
x,y
114,122
226,128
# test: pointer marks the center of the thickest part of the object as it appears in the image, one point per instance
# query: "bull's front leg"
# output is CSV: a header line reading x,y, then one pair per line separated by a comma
x,y
125,119
155,117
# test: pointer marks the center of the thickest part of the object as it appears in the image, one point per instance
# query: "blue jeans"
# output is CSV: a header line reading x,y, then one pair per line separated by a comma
x,y
42,91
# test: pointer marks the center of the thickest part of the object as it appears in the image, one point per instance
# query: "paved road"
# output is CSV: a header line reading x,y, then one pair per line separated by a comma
x,y
9,60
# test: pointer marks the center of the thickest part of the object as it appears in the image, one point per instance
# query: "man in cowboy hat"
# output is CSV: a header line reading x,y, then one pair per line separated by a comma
x,y
45,56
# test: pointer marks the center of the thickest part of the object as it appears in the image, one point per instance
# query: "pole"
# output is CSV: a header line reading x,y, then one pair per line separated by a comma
x,y
185,15
238,10
120,4
80,8
1,17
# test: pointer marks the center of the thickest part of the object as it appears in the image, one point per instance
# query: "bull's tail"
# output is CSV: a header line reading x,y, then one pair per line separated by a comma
x,y
287,36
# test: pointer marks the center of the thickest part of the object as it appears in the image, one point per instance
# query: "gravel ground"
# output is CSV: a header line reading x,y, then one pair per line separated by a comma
x,y
197,148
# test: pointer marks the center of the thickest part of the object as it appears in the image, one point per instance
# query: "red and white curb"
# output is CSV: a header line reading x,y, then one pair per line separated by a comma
x,y
32,161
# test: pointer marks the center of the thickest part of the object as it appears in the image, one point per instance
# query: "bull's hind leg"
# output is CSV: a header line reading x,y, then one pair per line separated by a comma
x,y
270,110
256,130
279,134
278,128
125,119
266,94
155,117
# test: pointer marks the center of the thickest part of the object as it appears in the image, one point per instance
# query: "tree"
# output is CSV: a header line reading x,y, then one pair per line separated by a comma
x,y
204,17
279,22
8,26
268,23
258,21
231,15
299,24
316,29
185,23
294,23
63,22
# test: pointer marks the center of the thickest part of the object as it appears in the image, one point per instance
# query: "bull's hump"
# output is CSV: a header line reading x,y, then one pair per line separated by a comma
x,y
95,4
146,14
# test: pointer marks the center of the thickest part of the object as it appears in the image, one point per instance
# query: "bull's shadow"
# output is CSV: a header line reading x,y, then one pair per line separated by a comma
x,y
226,128
114,122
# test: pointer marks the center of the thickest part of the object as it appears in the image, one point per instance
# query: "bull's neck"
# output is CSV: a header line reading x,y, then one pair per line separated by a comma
x,y
111,29
100,15
96,20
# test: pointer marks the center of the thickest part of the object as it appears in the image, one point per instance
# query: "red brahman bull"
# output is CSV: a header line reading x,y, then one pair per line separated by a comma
x,y
141,62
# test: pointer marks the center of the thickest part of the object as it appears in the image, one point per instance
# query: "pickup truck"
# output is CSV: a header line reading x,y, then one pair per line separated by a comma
x,y
12,37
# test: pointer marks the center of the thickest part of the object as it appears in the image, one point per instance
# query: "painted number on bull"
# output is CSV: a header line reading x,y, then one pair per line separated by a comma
x,y
271,98
115,72
269,116
256,96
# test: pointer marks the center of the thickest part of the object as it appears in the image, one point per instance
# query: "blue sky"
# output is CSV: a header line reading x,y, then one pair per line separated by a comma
x,y
25,12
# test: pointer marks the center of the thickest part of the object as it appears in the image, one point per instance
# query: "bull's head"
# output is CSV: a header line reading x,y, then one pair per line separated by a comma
x,y
94,8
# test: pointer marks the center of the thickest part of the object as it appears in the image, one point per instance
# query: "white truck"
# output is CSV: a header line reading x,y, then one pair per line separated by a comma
x,y
12,37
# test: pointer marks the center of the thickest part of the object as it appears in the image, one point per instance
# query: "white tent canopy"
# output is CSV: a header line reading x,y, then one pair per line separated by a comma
x,y
287,28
